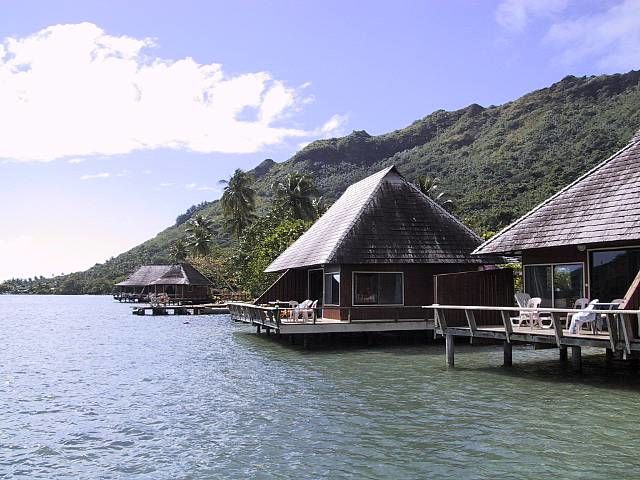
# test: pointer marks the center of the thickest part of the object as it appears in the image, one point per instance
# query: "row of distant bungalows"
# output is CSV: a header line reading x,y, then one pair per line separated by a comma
x,y
379,251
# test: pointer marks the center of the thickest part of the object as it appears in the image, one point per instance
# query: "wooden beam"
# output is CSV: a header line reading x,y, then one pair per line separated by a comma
x,y
471,320
508,328
576,358
557,328
563,353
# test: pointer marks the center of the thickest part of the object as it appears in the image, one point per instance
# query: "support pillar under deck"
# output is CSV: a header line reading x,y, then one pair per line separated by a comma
x,y
576,358
508,354
449,349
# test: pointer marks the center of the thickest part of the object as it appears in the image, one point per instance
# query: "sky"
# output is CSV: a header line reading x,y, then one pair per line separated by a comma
x,y
117,116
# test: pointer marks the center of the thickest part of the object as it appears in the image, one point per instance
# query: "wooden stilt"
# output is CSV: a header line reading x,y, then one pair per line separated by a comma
x,y
305,340
449,348
508,354
576,358
257,328
564,354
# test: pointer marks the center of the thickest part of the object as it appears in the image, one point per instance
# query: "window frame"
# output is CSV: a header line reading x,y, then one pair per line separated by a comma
x,y
353,289
554,264
324,288
602,249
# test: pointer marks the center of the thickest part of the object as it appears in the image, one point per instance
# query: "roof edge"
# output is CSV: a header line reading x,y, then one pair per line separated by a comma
x,y
481,249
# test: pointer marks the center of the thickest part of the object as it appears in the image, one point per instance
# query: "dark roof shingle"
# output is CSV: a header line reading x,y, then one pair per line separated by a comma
x,y
601,206
383,219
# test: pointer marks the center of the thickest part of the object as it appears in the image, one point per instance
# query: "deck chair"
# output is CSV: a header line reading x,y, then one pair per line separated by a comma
x,y
600,320
588,315
306,311
298,308
522,299
579,303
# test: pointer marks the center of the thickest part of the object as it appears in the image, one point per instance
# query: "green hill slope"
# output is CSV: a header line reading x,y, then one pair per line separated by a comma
x,y
496,162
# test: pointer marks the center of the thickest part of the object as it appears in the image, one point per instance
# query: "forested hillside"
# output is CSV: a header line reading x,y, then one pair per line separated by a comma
x,y
494,162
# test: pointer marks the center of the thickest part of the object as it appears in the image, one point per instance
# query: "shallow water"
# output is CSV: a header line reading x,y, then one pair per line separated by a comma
x,y
88,390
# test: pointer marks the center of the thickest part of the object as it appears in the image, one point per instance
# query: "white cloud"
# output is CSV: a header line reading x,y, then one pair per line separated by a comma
x,y
333,126
75,161
95,176
147,172
191,186
611,38
165,185
514,15
200,188
80,91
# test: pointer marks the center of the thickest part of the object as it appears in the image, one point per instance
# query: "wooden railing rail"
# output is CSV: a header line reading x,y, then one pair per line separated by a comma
x,y
617,321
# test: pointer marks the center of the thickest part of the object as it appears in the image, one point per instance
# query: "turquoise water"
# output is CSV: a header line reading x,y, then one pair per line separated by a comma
x,y
88,390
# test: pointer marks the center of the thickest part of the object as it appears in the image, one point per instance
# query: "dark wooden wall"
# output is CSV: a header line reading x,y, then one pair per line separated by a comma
x,y
481,288
292,285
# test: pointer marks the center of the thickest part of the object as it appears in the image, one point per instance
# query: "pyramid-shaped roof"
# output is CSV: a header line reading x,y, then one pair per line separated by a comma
x,y
181,274
144,276
383,219
601,206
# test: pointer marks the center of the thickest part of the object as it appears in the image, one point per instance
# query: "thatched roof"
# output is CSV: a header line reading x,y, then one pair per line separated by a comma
x,y
601,206
181,274
144,276
383,219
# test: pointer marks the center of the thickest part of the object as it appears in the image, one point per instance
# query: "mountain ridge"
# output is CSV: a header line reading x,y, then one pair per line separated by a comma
x,y
495,162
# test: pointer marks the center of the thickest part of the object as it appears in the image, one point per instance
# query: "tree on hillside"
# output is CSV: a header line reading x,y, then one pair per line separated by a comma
x,y
178,251
239,201
320,206
199,238
430,187
294,195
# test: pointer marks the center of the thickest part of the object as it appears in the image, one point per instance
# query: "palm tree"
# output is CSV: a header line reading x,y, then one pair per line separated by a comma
x,y
429,186
239,201
178,251
320,206
294,195
199,238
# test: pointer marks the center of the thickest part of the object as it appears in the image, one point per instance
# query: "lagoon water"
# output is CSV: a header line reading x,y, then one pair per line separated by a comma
x,y
88,390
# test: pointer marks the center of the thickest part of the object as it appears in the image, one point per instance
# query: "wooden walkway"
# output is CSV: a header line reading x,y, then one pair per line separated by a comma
x,y
202,309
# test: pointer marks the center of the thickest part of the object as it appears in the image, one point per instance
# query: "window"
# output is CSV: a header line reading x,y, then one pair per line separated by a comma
x,y
558,285
612,272
378,288
332,288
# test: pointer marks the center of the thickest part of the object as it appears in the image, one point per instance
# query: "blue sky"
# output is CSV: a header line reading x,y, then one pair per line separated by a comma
x,y
117,116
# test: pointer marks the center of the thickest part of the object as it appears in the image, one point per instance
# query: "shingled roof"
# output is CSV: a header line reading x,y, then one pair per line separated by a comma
x,y
383,219
601,206
144,276
181,274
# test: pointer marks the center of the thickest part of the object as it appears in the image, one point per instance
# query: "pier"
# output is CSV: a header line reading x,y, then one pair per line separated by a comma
x,y
203,309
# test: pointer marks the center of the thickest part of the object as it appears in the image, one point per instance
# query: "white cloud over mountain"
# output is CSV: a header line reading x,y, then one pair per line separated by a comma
x,y
75,91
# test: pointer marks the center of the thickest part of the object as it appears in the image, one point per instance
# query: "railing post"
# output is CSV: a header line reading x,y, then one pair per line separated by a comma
x,y
613,334
508,328
625,333
557,328
471,320
277,316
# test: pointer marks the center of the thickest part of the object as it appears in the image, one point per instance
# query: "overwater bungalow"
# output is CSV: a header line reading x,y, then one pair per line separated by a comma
x,y
579,247
178,283
368,264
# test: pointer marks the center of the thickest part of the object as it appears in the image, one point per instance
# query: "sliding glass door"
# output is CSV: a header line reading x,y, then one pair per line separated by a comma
x,y
612,272
559,285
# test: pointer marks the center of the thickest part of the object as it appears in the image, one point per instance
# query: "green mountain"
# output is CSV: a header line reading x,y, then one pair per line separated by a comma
x,y
495,162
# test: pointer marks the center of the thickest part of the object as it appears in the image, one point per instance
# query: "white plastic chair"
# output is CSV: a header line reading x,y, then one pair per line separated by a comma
x,y
308,309
522,299
581,318
579,303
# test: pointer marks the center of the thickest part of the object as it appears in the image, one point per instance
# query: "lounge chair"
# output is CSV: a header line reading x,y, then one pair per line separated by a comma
x,y
309,309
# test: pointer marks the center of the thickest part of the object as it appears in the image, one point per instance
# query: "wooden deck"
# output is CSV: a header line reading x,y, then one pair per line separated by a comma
x,y
280,321
619,336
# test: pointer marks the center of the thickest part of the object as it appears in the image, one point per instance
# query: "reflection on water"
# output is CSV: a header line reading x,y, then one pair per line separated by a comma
x,y
88,390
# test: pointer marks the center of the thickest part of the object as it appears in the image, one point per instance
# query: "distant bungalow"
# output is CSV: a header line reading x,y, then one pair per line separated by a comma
x,y
181,282
372,258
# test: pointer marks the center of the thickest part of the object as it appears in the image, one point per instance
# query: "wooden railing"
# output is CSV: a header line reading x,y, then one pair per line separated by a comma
x,y
619,327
